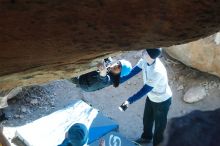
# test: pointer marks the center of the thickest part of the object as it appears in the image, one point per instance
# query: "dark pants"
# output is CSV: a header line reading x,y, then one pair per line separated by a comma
x,y
155,112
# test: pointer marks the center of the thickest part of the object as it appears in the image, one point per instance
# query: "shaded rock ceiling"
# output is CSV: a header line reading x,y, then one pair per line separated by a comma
x,y
43,40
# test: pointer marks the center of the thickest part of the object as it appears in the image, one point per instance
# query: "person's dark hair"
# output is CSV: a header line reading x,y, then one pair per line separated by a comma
x,y
116,80
116,77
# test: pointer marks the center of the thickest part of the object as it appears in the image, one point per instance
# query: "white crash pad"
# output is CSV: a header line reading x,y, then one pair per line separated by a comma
x,y
50,130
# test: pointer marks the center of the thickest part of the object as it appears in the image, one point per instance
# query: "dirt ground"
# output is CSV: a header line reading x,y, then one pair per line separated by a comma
x,y
37,101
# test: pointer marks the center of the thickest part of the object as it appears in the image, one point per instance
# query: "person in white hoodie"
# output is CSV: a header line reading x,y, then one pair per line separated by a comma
x,y
157,91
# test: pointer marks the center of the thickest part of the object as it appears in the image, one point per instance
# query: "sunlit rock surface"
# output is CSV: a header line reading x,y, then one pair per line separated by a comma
x,y
43,40
203,54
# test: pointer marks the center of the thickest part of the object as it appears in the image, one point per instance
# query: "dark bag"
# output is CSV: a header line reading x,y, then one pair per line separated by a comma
x,y
92,81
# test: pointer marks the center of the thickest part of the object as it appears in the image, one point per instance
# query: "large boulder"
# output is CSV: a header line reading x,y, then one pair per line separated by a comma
x,y
203,54
43,40
198,128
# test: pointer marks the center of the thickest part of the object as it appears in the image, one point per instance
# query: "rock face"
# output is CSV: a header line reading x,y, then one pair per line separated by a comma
x,y
42,40
203,54
197,128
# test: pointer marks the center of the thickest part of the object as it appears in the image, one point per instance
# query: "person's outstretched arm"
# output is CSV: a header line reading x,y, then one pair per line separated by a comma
x,y
103,74
143,91
135,70
148,86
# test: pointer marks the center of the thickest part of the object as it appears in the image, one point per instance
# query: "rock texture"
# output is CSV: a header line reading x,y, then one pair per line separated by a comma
x,y
203,54
42,40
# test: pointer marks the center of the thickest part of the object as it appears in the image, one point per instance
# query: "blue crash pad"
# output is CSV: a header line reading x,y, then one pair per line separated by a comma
x,y
100,126
114,139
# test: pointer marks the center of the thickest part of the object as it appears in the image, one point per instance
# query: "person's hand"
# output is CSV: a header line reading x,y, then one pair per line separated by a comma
x,y
102,69
102,142
100,65
124,106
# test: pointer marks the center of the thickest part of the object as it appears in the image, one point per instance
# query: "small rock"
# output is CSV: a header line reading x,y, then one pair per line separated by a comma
x,y
205,83
129,83
181,78
180,88
46,103
9,116
215,85
194,94
183,112
21,116
136,56
37,97
29,111
212,82
210,86
171,82
34,101
207,93
23,109
52,104
17,116
206,87
46,109
13,101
